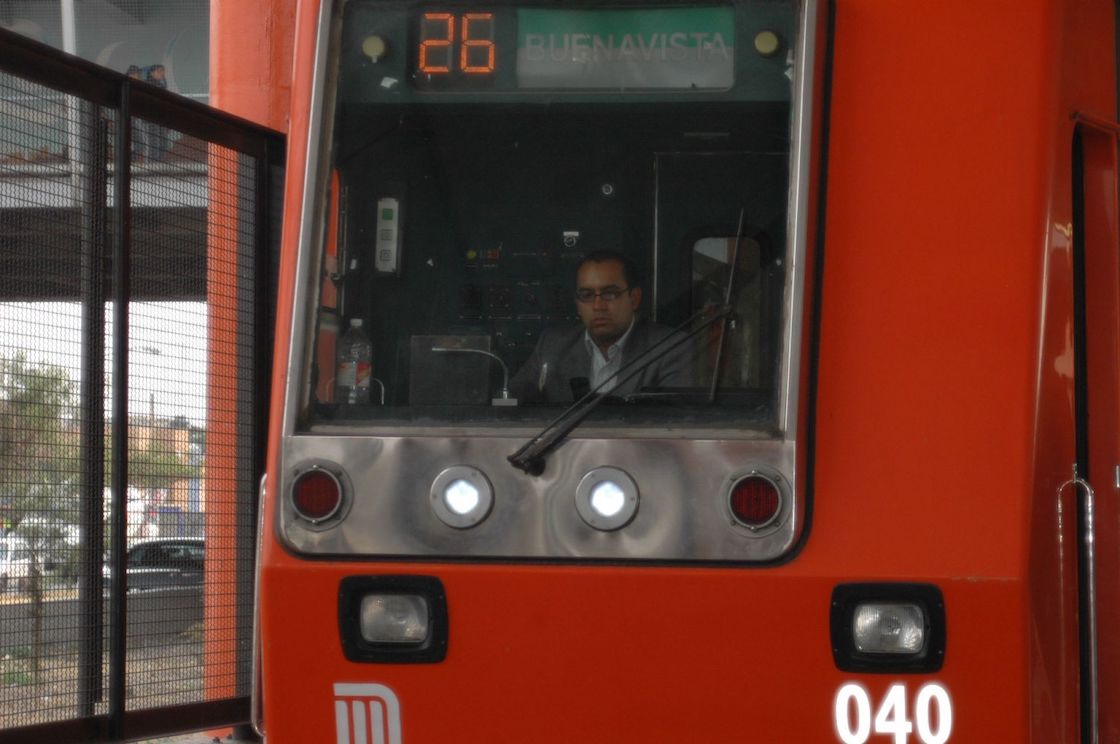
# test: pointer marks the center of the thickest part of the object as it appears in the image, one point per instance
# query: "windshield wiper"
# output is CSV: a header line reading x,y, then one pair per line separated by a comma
x,y
531,456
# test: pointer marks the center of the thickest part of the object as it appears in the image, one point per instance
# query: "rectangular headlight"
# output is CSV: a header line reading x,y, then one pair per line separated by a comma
x,y
888,628
394,618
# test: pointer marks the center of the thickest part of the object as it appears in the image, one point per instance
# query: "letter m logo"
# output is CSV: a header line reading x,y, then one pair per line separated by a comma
x,y
366,713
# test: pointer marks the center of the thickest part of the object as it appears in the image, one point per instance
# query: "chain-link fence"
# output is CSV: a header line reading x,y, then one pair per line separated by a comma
x,y
134,348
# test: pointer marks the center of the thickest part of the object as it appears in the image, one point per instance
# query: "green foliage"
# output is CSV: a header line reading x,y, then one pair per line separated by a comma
x,y
16,652
15,665
39,445
13,677
156,466
39,456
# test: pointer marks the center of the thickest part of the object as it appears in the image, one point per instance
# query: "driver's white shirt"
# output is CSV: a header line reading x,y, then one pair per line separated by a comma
x,y
602,367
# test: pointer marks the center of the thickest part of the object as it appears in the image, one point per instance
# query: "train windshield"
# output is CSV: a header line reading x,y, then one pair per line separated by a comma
x,y
517,206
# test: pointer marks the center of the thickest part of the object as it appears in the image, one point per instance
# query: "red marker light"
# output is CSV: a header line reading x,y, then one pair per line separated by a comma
x,y
316,495
755,501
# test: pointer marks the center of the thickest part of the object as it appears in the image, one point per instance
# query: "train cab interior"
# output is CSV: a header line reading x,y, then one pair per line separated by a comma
x,y
456,211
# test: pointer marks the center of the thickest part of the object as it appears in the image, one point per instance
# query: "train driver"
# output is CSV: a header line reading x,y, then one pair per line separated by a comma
x,y
567,362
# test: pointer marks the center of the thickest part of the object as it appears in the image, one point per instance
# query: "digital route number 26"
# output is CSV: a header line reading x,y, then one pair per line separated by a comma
x,y
475,43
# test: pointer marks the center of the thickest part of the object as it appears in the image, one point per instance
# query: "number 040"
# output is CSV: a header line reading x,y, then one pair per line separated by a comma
x,y
854,724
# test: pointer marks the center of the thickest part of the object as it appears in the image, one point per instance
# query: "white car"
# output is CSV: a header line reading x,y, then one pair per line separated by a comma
x,y
15,563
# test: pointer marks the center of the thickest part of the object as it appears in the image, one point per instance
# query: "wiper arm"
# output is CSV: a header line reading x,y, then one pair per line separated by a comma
x,y
732,265
531,455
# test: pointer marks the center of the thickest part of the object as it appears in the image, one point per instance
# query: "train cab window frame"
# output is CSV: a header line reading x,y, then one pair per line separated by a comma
x,y
445,230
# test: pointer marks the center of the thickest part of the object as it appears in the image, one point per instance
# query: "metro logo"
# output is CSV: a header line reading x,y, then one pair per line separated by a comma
x,y
366,713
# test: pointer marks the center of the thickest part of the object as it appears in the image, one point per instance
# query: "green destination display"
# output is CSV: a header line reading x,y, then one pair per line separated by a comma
x,y
667,48
629,49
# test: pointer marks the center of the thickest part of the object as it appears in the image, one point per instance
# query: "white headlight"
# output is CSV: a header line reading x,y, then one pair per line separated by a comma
x,y
607,498
462,496
889,628
394,618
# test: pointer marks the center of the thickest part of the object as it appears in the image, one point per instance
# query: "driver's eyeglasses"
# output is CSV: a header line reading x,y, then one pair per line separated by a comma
x,y
609,294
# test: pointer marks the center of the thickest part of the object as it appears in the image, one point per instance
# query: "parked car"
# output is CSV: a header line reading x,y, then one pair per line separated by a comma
x,y
163,563
53,544
15,563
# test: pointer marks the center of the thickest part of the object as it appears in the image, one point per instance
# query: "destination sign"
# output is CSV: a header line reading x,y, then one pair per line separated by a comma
x,y
667,48
613,49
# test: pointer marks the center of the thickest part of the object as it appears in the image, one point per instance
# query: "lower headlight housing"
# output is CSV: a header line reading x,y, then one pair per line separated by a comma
x,y
888,628
396,619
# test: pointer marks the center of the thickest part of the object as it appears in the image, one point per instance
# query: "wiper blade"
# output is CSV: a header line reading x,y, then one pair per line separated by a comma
x,y
530,457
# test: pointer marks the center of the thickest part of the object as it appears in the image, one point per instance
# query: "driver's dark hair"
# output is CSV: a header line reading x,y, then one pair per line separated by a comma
x,y
630,271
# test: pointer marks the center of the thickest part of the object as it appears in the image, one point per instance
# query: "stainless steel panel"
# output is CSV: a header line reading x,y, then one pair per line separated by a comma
x,y
683,515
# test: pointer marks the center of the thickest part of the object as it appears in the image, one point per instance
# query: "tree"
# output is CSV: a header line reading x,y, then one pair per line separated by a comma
x,y
39,467
153,466
39,457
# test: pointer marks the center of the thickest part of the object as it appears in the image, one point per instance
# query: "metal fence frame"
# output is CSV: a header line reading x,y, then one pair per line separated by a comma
x,y
108,237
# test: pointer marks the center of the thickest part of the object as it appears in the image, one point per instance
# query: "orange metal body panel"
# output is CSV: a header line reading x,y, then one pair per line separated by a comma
x,y
563,654
251,59
943,431
221,443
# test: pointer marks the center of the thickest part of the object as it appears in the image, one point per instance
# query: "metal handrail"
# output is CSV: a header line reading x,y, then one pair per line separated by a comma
x,y
1088,537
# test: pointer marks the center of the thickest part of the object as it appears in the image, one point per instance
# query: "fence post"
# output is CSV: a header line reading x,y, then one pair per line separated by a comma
x,y
92,195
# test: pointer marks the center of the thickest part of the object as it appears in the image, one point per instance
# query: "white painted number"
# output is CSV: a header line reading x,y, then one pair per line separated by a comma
x,y
849,693
891,718
944,714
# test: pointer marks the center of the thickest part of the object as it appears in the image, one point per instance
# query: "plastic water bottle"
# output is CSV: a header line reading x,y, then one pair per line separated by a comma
x,y
355,354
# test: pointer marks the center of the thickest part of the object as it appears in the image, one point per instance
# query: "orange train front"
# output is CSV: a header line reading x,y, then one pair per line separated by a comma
x,y
878,503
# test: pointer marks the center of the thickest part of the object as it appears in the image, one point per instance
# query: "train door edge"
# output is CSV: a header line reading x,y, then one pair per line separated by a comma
x,y
1096,473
